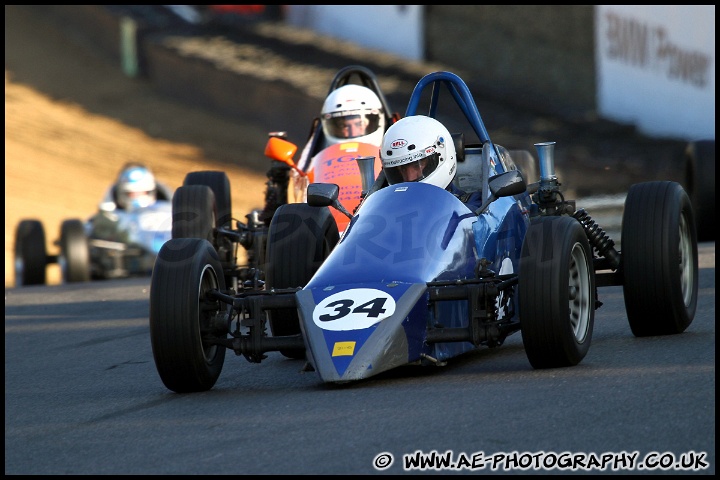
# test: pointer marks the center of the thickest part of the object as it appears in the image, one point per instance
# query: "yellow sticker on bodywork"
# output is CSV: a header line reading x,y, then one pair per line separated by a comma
x,y
350,147
342,349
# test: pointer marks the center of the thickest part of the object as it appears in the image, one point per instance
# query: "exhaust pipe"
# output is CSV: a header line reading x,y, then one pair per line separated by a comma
x,y
367,173
546,154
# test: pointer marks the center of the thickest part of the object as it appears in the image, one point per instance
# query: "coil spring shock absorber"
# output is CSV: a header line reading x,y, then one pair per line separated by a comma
x,y
598,238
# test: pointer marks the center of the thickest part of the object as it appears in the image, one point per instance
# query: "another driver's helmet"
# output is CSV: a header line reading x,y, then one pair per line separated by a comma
x,y
136,187
353,112
418,148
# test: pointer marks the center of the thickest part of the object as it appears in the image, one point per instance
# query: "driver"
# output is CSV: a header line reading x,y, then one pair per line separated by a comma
x,y
352,112
420,149
135,187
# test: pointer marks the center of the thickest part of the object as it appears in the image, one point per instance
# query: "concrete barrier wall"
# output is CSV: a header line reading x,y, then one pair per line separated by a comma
x,y
537,55
649,66
540,55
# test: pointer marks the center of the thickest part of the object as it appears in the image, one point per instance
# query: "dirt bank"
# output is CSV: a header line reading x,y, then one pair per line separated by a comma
x,y
71,121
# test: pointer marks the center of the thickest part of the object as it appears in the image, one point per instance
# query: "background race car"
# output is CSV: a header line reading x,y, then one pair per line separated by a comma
x,y
202,205
113,243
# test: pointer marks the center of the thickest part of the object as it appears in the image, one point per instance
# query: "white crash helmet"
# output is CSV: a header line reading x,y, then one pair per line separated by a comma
x,y
136,188
422,145
353,112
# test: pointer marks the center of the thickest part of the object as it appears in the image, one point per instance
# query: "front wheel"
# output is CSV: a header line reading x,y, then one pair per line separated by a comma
x,y
659,259
181,315
74,258
300,238
556,288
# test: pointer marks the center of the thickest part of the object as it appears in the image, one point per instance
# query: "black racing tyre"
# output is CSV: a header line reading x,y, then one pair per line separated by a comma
x,y
30,253
700,185
659,259
74,258
180,315
194,213
219,183
557,296
300,238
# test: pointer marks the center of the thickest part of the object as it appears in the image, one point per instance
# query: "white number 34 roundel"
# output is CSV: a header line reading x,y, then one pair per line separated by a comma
x,y
353,309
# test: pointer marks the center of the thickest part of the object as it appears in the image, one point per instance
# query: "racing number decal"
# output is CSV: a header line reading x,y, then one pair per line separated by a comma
x,y
343,307
353,309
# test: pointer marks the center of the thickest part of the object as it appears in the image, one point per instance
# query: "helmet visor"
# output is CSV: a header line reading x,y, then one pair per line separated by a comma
x,y
351,124
413,171
133,200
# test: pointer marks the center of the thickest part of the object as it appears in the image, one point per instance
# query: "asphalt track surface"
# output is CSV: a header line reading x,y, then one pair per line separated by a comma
x,y
82,396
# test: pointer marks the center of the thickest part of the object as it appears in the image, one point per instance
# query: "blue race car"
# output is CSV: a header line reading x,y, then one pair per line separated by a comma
x,y
418,278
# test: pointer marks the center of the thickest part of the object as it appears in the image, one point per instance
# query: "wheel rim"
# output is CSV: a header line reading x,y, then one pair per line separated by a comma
x,y
62,262
208,281
579,291
19,271
686,264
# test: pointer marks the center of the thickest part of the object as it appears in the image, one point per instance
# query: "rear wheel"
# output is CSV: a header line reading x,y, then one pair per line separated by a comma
x,y
300,238
700,185
556,292
219,183
74,258
181,315
659,259
193,213
30,253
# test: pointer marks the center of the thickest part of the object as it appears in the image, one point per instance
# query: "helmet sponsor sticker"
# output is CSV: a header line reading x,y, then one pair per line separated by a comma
x,y
349,113
354,309
399,143
394,162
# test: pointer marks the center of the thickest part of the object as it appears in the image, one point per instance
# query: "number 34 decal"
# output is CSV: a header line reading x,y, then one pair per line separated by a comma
x,y
353,309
